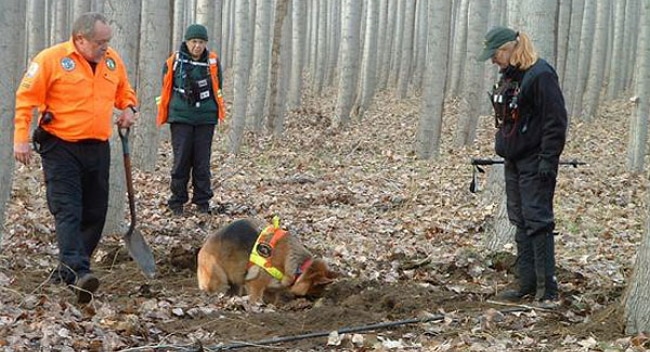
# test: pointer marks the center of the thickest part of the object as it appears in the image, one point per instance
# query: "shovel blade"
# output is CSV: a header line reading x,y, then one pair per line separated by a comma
x,y
141,253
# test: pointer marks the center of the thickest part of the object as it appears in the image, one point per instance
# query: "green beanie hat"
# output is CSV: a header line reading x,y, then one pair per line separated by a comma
x,y
494,39
196,31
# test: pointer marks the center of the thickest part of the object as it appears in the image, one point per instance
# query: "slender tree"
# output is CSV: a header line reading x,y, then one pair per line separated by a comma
x,y
585,54
406,57
638,136
570,78
155,31
369,61
241,65
261,66
459,49
596,74
636,304
275,114
12,14
430,123
124,18
347,89
299,24
474,94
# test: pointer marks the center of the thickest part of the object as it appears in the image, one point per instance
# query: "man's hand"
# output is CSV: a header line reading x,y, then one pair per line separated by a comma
x,y
23,152
127,118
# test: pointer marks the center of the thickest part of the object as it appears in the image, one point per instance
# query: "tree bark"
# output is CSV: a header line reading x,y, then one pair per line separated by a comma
x,y
12,15
347,89
241,65
433,93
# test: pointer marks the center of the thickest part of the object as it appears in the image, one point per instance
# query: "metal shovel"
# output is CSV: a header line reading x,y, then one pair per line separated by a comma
x,y
135,243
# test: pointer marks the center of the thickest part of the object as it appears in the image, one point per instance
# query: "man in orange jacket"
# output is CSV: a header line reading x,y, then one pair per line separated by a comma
x,y
74,86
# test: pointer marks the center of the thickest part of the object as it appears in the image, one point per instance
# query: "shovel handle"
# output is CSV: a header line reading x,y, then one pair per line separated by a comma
x,y
124,137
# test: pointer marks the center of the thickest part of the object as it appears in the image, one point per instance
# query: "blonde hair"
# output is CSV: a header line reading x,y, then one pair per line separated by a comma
x,y
523,54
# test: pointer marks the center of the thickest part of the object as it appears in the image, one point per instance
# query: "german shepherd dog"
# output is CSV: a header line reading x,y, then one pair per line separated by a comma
x,y
245,254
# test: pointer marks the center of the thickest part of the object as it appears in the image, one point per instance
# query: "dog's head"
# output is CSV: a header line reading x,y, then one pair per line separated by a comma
x,y
313,281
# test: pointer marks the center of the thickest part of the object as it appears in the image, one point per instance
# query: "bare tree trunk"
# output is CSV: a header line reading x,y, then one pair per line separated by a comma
x,y
349,61
261,66
459,49
585,54
539,20
635,302
421,37
154,48
501,231
278,106
406,57
638,136
299,25
35,27
281,8
597,66
616,72
124,17
433,94
59,22
241,65
385,40
474,94
570,78
12,20
369,62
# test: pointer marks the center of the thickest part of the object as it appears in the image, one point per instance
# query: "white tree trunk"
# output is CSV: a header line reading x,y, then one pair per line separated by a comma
x,y
124,18
154,49
276,112
421,37
459,49
433,93
616,75
540,23
299,26
570,78
35,28
406,57
369,62
501,231
241,65
638,136
636,303
12,20
347,89
562,44
261,66
59,22
321,47
474,94
585,54
597,66
385,40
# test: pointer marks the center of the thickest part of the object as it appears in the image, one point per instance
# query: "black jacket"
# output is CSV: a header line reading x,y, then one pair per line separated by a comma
x,y
541,125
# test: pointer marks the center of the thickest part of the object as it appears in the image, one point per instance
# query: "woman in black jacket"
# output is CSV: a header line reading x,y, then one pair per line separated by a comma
x,y
531,122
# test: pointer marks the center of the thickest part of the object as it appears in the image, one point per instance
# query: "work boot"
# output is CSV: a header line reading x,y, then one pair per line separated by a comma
x,y
176,210
85,288
544,251
203,209
514,296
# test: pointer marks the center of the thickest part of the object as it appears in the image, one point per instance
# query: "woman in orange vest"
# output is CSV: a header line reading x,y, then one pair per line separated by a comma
x,y
192,104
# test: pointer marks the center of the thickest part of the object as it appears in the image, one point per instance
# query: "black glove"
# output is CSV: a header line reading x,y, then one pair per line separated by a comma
x,y
546,169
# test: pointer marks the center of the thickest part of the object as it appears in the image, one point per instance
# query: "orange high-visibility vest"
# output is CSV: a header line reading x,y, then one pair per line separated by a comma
x,y
168,82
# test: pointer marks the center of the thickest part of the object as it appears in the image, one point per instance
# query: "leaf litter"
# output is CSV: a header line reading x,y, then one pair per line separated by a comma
x,y
404,234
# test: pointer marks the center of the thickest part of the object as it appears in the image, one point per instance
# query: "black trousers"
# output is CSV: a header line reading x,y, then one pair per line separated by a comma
x,y
530,209
76,179
192,148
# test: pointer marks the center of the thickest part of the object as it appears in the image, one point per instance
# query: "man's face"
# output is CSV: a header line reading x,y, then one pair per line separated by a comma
x,y
196,47
94,49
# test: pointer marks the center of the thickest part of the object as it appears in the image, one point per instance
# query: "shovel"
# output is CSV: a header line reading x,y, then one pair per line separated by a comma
x,y
135,243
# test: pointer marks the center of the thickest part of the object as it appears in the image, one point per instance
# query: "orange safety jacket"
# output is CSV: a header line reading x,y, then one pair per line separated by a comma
x,y
61,81
168,82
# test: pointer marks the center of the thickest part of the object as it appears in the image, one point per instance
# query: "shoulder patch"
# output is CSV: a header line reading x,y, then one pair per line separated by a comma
x,y
32,70
67,64
110,63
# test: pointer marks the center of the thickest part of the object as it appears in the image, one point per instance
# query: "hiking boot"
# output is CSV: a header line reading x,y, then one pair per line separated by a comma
x,y
85,288
176,211
204,209
513,296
